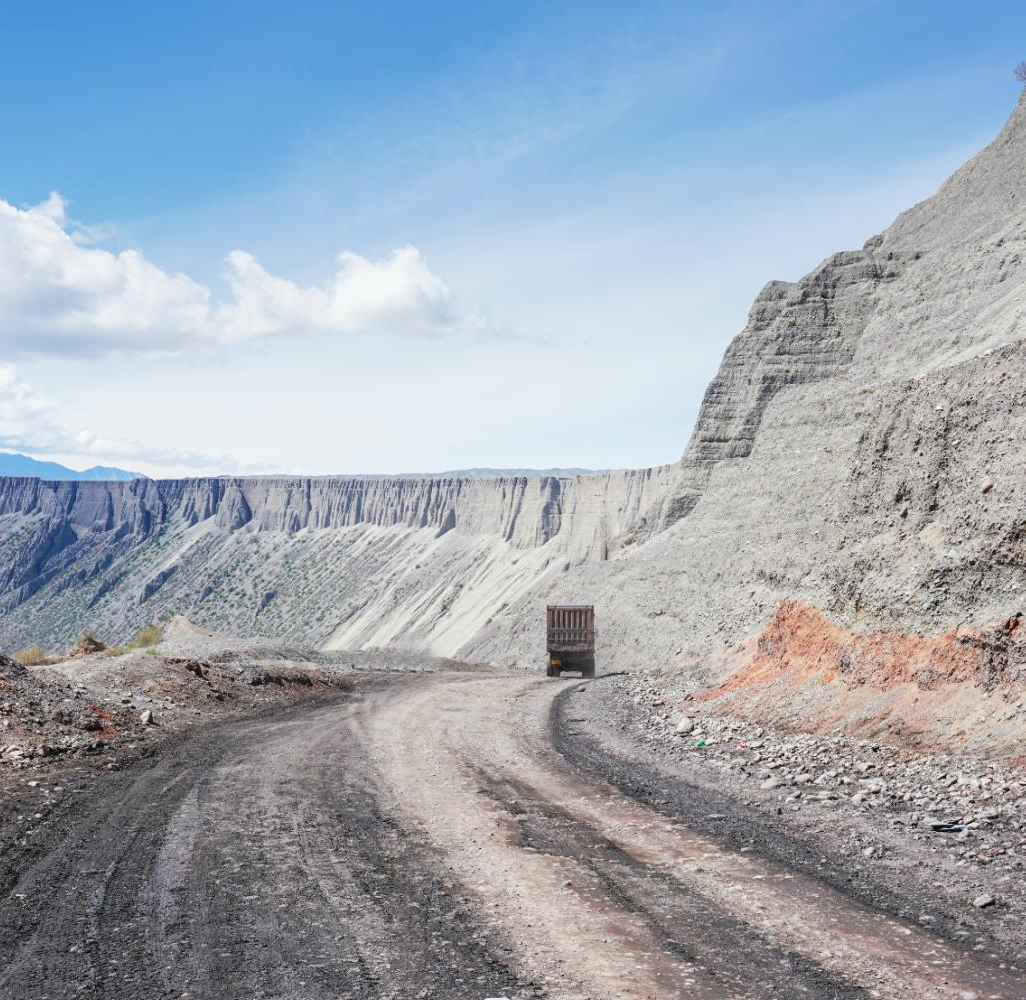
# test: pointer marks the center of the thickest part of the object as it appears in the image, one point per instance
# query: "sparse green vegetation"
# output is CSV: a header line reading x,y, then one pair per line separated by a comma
x,y
148,636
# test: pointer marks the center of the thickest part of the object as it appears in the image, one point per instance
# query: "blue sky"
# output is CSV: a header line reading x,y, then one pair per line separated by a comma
x,y
589,196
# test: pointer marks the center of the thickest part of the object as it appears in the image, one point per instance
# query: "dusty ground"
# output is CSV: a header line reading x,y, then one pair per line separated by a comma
x,y
98,707
447,834
920,835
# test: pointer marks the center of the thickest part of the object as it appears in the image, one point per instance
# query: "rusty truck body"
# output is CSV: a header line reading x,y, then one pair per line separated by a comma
x,y
570,639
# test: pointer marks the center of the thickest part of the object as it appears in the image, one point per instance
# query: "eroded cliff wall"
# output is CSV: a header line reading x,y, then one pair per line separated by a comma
x,y
415,562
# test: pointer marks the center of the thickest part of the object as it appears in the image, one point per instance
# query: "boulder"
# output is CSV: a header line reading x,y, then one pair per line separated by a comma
x,y
685,725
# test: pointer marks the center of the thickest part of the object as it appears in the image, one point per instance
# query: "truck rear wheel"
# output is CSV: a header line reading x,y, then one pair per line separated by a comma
x,y
588,669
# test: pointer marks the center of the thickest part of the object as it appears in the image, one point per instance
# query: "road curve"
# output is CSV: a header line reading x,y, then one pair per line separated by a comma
x,y
605,897
424,838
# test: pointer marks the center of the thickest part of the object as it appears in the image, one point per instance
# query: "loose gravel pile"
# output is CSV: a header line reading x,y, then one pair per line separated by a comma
x,y
99,705
973,809
44,714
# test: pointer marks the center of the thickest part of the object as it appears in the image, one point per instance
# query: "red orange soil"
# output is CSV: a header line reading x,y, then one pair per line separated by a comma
x,y
962,687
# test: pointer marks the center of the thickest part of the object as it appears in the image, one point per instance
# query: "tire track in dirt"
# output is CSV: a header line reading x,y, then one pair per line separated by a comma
x,y
693,930
437,738
246,861
427,840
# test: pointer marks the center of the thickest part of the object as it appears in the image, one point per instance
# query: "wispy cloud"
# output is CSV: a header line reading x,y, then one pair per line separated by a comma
x,y
61,296
29,422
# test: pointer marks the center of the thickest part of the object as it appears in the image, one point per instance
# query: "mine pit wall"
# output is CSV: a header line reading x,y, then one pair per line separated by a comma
x,y
525,511
841,457
418,563
897,506
893,514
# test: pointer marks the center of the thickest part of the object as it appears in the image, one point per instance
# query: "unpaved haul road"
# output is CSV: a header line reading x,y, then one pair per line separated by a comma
x,y
426,839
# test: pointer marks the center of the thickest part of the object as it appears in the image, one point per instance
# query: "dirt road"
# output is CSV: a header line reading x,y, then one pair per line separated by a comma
x,y
425,837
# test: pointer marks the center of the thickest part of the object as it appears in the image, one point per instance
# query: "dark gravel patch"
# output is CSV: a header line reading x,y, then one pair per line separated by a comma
x,y
244,860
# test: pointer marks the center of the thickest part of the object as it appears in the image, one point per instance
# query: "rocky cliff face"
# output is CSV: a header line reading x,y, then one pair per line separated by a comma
x,y
842,456
843,451
796,334
338,561
940,285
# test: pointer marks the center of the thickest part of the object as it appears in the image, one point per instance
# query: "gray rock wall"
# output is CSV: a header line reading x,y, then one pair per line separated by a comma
x,y
889,372
338,561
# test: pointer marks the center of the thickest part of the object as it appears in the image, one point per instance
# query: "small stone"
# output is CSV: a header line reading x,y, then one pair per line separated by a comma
x,y
986,486
982,902
770,783
146,718
685,726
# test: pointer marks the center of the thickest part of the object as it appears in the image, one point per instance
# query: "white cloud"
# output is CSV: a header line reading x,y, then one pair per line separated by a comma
x,y
62,297
24,414
398,294
29,422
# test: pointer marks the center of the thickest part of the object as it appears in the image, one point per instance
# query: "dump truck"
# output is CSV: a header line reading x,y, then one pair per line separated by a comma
x,y
570,638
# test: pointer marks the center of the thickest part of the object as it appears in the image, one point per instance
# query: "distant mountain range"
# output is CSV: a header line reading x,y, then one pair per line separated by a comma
x,y
22,465
12,464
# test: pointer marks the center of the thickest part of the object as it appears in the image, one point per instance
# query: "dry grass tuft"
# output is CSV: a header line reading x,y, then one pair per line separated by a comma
x,y
87,645
33,656
148,636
